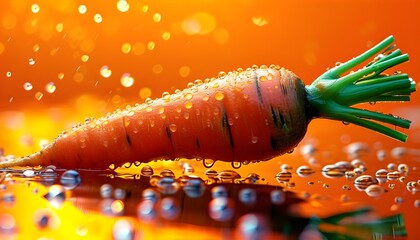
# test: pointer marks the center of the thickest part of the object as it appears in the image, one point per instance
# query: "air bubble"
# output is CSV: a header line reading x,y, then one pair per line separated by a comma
x,y
31,61
8,74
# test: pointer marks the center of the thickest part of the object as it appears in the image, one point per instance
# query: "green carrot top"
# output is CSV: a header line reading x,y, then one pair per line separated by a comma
x,y
333,93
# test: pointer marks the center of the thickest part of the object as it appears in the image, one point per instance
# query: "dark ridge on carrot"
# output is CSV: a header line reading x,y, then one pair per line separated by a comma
x,y
257,87
225,125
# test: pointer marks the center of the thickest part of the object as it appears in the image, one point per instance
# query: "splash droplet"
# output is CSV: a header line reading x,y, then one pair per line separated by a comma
x,y
123,6
105,71
97,18
27,86
35,8
157,17
82,9
127,80
50,87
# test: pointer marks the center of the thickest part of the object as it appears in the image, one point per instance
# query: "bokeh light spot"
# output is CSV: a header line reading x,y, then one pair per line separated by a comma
x,y
105,71
184,71
126,47
123,6
145,93
127,80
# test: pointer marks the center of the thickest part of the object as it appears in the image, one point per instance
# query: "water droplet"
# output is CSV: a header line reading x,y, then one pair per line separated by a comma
x,y
56,195
123,6
236,165
375,190
127,80
188,96
157,17
169,208
150,195
399,200
222,74
247,196
210,173
38,95
252,226
392,167
254,139
146,210
166,36
304,171
283,176
403,168
381,175
333,171
286,167
29,173
105,71
97,18
7,225
50,87
123,230
188,104
146,171
417,203
70,179
228,176
8,74
119,194
277,197
151,46
27,86
167,173
362,182
393,175
221,209
82,9
35,8
194,188
219,96
167,185
106,191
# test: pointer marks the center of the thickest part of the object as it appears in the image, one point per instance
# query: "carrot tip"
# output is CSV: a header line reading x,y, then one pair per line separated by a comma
x,y
333,93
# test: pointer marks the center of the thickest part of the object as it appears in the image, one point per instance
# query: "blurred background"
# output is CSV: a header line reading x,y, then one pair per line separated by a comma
x,y
63,61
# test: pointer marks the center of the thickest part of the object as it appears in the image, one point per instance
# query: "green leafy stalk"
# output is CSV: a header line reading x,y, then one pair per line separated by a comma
x,y
333,93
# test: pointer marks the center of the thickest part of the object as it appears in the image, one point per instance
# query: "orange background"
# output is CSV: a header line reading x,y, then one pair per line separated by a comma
x,y
170,43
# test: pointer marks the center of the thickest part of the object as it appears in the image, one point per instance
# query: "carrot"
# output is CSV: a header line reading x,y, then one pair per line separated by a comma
x,y
245,115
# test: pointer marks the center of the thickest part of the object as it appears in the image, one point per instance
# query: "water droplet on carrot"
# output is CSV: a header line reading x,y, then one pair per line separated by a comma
x,y
219,96
254,139
208,163
172,128
146,171
188,105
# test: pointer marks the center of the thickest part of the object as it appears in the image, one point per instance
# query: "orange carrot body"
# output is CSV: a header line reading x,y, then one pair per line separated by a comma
x,y
248,115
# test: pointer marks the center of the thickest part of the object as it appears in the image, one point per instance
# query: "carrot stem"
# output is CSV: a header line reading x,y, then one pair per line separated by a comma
x,y
332,94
